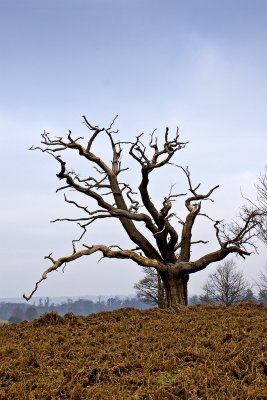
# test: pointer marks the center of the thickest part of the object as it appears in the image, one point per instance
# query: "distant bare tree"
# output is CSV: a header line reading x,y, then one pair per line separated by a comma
x,y
161,238
225,286
262,200
262,297
150,288
250,296
263,280
262,286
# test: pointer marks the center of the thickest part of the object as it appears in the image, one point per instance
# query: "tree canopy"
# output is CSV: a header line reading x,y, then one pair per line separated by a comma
x,y
168,242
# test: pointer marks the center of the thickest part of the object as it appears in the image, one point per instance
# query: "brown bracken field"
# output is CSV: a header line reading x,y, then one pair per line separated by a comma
x,y
199,352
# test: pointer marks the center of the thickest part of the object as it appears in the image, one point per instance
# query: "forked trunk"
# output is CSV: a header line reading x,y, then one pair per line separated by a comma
x,y
175,287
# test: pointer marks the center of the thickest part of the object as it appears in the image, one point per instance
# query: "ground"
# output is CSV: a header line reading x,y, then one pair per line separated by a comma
x,y
200,352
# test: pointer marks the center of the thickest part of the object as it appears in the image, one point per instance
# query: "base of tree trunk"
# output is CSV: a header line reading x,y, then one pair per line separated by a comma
x,y
175,289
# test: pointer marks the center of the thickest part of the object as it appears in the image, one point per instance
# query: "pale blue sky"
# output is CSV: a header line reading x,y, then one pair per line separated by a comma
x,y
199,64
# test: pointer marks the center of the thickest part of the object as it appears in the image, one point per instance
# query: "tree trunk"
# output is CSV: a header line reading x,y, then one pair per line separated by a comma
x,y
175,287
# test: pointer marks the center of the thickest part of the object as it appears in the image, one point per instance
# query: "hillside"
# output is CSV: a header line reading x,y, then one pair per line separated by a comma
x,y
200,352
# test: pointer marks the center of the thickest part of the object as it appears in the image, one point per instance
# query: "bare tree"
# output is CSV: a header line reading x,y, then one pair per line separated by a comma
x,y
162,247
262,201
150,288
262,286
250,296
226,286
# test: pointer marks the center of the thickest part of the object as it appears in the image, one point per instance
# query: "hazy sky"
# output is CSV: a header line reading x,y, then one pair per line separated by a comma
x,y
198,64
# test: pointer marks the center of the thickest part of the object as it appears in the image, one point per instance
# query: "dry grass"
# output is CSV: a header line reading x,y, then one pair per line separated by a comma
x,y
200,352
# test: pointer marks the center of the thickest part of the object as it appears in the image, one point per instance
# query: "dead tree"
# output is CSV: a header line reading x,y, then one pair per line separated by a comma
x,y
169,252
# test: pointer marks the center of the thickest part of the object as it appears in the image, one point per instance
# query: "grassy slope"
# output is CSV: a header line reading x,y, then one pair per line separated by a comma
x,y
200,352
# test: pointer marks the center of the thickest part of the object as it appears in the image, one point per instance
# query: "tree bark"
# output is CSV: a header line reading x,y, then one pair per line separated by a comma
x,y
175,286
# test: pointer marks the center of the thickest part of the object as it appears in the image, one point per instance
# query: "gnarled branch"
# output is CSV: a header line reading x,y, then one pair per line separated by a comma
x,y
106,251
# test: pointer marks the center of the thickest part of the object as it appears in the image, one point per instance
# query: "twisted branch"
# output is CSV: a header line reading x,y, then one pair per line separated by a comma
x,y
106,251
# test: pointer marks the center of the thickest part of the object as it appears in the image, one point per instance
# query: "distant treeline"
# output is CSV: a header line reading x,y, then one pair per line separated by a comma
x,y
17,312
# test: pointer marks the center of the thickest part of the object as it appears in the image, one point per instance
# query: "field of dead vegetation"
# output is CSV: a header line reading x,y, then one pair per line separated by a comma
x,y
200,352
